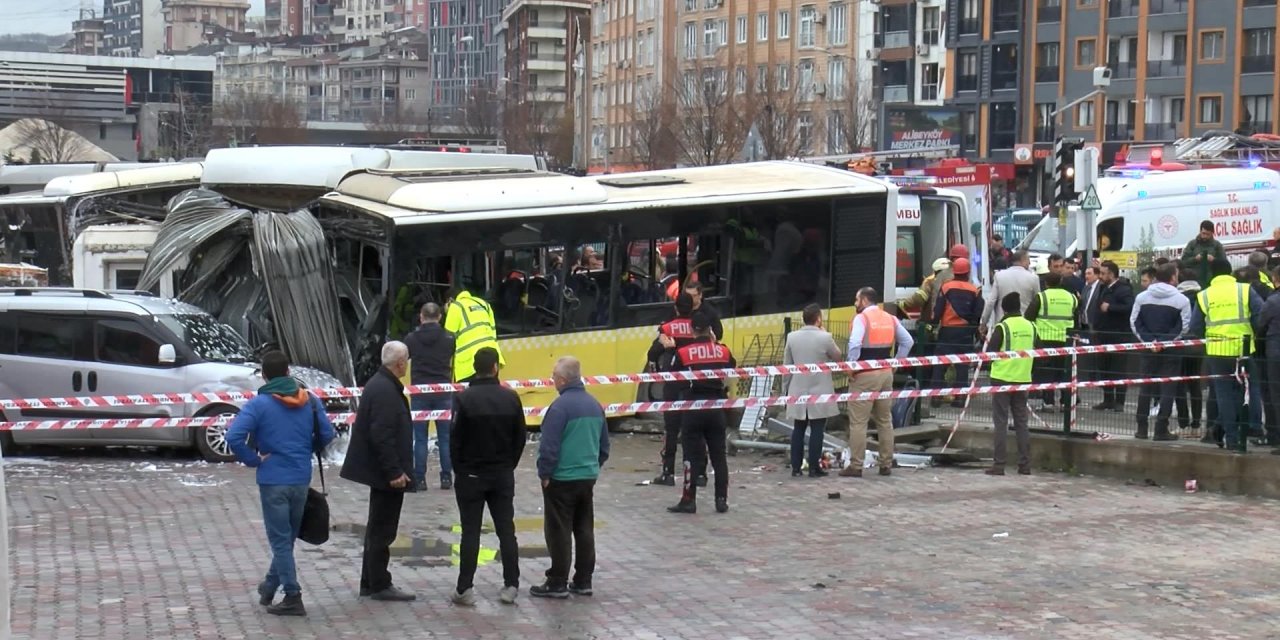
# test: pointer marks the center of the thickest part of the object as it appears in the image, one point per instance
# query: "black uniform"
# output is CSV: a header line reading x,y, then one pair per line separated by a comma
x,y
679,329
704,431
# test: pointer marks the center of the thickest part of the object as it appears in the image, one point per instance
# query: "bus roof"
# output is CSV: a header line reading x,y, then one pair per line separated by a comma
x,y
157,175
415,196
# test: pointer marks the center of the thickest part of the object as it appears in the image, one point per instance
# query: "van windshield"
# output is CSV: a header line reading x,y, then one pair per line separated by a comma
x,y
210,339
1044,237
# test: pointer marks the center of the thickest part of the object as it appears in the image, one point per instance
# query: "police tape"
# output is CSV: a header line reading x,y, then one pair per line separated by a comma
x,y
619,409
346,393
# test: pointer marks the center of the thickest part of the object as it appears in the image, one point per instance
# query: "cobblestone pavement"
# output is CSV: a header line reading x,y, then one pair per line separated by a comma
x,y
136,545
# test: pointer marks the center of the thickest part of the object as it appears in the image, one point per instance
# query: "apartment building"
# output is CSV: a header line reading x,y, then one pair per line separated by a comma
x,y
625,73
187,23
537,87
133,28
301,17
1179,68
465,52
87,35
984,43
369,18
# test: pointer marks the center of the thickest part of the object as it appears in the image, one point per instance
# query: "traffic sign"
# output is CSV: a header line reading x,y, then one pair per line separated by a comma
x,y
1091,201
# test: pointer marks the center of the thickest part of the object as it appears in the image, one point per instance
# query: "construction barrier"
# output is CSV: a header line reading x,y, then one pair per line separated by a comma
x,y
618,408
340,393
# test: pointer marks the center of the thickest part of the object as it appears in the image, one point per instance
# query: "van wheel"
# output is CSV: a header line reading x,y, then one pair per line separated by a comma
x,y
212,441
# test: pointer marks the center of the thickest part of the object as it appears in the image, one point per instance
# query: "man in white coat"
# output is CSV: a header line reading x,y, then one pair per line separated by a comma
x,y
1016,279
810,344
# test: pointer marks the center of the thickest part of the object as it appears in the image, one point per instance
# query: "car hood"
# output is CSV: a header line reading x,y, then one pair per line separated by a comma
x,y
248,377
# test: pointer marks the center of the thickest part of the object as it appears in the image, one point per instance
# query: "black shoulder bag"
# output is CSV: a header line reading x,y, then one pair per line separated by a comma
x,y
315,513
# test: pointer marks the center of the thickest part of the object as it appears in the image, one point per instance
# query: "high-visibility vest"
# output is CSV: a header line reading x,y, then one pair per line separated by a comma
x,y
1057,314
1225,305
879,333
1266,281
1019,335
470,320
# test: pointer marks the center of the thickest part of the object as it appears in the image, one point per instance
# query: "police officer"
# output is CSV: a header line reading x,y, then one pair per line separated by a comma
x,y
1054,312
672,335
470,319
1225,314
703,430
1013,333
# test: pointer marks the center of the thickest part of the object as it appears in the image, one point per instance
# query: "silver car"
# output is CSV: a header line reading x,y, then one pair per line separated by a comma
x,y
75,342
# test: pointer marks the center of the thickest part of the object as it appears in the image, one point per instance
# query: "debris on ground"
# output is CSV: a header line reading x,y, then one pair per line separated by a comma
x,y
1002,534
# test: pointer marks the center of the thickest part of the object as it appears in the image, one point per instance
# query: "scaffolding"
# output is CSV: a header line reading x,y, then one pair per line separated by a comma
x,y
1221,147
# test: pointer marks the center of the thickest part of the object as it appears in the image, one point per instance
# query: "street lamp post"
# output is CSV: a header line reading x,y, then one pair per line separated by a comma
x,y
466,78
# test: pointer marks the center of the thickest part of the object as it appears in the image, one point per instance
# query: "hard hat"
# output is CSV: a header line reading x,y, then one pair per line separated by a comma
x,y
940,264
958,251
960,266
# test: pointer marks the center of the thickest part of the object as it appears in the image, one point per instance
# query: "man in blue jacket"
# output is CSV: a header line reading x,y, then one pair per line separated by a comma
x,y
276,432
1160,313
574,444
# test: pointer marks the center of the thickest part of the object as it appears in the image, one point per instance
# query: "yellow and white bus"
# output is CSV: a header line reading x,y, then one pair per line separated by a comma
x,y
582,265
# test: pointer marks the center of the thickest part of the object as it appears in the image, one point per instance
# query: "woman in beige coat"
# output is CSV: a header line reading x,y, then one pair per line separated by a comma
x,y
810,344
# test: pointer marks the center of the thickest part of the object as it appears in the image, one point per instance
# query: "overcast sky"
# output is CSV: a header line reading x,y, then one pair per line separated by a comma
x,y
56,16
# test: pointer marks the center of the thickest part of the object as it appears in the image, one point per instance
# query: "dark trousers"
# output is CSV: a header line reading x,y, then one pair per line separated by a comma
x,y
1273,395
1230,399
952,341
671,427
379,532
498,491
1113,366
1191,392
1002,406
1050,370
817,432
703,437
569,523
1167,363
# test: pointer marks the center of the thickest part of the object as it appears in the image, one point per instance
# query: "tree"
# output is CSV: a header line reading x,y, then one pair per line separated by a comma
x,y
778,108
540,128
259,118
712,120
50,137
480,114
398,122
651,113
185,132
854,128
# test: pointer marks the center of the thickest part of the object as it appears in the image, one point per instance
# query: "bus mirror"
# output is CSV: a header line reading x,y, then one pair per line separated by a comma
x,y
975,228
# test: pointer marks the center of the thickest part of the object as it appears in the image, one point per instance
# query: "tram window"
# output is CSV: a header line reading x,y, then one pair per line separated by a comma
x,y
781,256
588,287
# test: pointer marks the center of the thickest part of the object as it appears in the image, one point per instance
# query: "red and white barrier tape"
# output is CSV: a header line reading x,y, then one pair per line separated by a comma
x,y
621,408
205,398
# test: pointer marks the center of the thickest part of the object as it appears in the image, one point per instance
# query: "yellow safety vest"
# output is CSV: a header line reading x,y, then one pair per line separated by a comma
x,y
470,320
1019,335
1225,305
1057,314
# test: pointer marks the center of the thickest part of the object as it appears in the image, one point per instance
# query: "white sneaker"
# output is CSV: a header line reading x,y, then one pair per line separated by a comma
x,y
465,599
508,595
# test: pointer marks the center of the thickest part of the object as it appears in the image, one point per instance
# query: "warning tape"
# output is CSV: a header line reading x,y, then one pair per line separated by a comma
x,y
345,393
617,408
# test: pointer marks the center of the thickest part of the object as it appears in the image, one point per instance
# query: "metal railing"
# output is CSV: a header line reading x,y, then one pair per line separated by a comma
x,y
897,39
1005,23
1047,74
1042,134
1161,131
1049,11
1167,6
1122,8
970,26
1166,68
897,93
1119,131
1258,64
1124,70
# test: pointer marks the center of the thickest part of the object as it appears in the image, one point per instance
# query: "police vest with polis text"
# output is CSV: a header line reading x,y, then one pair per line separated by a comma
x,y
704,354
470,320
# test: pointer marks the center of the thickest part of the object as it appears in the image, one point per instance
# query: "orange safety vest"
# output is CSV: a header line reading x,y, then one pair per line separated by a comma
x,y
879,333
949,316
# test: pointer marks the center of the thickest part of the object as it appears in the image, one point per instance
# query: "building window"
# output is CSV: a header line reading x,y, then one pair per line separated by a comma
x,y
969,130
784,77
805,127
967,74
410,94
762,78
1044,131
1086,52
740,26
835,132
784,25
1255,113
808,26
836,82
929,80
931,26
1087,4
838,24
1210,110
740,80
1259,51
762,27
805,78
690,40
1213,46
970,17
1084,115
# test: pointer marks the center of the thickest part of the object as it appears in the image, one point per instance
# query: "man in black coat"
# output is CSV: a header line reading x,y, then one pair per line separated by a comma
x,y
380,456
1112,326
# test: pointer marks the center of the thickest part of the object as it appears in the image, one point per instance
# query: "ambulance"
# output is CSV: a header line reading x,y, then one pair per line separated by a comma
x,y
1165,208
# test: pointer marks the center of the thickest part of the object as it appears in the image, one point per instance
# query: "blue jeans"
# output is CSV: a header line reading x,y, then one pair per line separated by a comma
x,y
1230,397
432,402
817,434
282,515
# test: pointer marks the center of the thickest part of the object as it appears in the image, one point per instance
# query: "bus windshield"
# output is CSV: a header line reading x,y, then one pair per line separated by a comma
x,y
1044,237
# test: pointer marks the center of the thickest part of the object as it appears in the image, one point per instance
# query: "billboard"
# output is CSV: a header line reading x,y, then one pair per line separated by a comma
x,y
920,129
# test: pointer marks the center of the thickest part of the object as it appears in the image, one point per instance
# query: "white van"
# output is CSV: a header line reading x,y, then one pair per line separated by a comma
x,y
1168,207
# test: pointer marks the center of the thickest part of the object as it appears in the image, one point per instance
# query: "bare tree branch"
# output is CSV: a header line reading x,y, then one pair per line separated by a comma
x,y
652,112
259,118
778,107
712,120
187,131
540,128
50,138
399,122
480,114
856,123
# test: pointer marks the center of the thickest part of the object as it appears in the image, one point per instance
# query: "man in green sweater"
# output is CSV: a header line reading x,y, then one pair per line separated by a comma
x,y
573,446
1202,252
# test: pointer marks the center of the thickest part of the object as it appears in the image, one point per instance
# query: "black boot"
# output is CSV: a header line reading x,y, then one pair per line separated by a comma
x,y
689,499
684,506
1162,432
665,479
1142,432
290,606
722,505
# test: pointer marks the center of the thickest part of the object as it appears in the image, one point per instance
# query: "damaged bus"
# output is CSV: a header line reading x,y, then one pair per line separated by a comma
x,y
585,266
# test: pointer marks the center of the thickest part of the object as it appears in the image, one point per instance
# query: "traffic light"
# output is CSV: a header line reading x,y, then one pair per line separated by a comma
x,y
1064,170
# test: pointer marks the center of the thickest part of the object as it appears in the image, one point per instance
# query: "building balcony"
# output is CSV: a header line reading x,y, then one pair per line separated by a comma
x,y
896,39
1006,22
1044,134
1119,131
970,27
1259,3
1003,139
1122,8
1049,11
1004,79
896,93
1258,64
1124,70
1169,6
1161,131
1166,68
966,83
1047,74
1260,126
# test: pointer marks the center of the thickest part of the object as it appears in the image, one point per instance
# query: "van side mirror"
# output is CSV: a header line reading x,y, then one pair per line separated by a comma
x,y
168,355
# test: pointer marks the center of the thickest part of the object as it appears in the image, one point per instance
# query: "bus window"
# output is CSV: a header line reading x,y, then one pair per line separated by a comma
x,y
781,256
588,287
908,257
